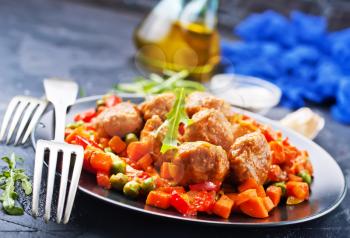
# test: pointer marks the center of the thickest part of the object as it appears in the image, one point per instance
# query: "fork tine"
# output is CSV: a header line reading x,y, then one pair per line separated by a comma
x,y
22,105
79,151
38,166
10,108
31,107
34,120
50,182
63,185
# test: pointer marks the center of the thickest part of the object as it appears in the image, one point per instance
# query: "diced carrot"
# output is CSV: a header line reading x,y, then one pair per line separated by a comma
x,y
103,142
136,150
252,184
89,150
223,207
298,190
245,196
158,199
295,178
294,201
274,193
277,152
268,203
145,161
101,162
103,180
164,170
117,144
254,207
171,171
86,161
176,172
233,197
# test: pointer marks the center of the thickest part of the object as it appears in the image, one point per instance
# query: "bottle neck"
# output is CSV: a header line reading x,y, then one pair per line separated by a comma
x,y
202,12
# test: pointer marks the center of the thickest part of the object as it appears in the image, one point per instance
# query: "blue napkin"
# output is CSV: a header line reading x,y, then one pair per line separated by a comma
x,y
298,54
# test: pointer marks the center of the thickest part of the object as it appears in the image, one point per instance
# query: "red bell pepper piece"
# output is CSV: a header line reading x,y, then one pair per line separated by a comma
x,y
206,186
86,116
112,100
182,129
202,201
79,140
181,205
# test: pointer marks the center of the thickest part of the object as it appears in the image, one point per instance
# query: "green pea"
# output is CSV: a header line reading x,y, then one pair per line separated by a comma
x,y
118,165
130,137
118,181
132,189
282,185
305,176
148,185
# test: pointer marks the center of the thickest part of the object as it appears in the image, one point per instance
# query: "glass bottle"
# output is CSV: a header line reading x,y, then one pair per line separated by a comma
x,y
179,35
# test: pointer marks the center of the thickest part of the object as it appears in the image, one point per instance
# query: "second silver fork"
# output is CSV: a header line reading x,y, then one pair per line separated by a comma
x,y
24,111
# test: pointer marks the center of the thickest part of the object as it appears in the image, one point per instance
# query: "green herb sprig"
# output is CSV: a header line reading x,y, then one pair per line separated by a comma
x,y
8,179
157,84
176,116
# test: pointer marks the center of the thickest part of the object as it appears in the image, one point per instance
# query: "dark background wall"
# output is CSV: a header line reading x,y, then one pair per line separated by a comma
x,y
232,11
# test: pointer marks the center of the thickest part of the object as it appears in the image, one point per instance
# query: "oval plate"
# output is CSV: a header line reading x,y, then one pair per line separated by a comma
x,y
326,194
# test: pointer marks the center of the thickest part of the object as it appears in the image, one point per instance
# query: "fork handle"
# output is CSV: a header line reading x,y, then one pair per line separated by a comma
x,y
60,121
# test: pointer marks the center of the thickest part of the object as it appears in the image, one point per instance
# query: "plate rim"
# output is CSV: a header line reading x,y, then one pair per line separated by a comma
x,y
212,222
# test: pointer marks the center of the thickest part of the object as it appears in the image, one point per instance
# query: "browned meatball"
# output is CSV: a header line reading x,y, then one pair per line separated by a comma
x,y
154,136
158,105
119,120
211,126
200,162
250,158
197,101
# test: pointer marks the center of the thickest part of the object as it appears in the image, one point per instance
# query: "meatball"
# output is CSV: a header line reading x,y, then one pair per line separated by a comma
x,y
158,105
197,101
119,120
211,126
154,136
250,158
201,161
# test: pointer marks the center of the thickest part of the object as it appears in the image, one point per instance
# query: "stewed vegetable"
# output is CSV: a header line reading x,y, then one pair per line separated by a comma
x,y
190,153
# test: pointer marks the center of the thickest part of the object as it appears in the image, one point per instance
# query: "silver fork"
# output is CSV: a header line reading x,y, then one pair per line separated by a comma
x,y
61,94
31,108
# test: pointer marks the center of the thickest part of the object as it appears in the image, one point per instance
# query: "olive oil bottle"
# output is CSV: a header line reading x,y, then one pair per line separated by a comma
x,y
180,35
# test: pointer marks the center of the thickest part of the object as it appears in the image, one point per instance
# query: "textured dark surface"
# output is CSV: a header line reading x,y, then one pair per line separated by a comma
x,y
92,44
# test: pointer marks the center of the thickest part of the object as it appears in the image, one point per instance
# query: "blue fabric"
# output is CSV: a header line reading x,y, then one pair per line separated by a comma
x,y
298,54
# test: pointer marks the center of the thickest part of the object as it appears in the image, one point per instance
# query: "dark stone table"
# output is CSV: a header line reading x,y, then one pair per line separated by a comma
x,y
92,44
